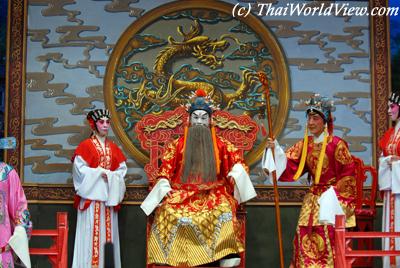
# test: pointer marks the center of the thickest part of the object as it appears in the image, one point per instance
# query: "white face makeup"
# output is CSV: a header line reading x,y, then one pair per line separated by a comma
x,y
103,125
393,111
200,117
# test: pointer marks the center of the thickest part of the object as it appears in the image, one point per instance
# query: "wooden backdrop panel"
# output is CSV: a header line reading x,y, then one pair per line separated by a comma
x,y
15,107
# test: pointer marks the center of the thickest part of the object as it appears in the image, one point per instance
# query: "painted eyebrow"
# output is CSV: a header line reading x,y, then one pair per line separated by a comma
x,y
202,115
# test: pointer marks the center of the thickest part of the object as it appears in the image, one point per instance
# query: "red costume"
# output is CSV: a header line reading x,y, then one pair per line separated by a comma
x,y
209,208
389,184
98,173
195,203
331,171
314,242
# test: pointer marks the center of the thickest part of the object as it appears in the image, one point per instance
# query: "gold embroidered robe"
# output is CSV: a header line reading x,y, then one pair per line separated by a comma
x,y
197,223
314,242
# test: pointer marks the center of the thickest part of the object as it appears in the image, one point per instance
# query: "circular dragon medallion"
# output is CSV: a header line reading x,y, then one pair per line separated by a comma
x,y
164,56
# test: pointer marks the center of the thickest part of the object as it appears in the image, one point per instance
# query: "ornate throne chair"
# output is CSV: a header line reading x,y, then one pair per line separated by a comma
x,y
365,210
155,131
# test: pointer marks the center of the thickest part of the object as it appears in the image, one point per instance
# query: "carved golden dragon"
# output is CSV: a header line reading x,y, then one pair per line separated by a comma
x,y
171,122
177,91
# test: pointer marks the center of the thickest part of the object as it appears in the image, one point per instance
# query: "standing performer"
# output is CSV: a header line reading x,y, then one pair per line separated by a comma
x,y
330,167
15,223
201,181
98,172
389,180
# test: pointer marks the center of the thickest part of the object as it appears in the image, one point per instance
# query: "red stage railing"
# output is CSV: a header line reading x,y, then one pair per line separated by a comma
x,y
58,251
345,255
365,210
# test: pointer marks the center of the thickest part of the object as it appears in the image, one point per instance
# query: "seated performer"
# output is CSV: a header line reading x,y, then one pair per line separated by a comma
x,y
331,169
202,179
389,180
98,172
15,224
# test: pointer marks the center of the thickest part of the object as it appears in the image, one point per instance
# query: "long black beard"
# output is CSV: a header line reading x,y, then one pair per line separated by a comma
x,y
199,165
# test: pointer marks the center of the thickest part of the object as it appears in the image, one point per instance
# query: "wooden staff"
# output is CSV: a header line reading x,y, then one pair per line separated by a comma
x,y
264,81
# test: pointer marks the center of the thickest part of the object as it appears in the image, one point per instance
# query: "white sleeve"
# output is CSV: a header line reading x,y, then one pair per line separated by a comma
x,y
156,195
244,189
396,177
20,245
329,207
385,174
279,164
116,185
88,182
